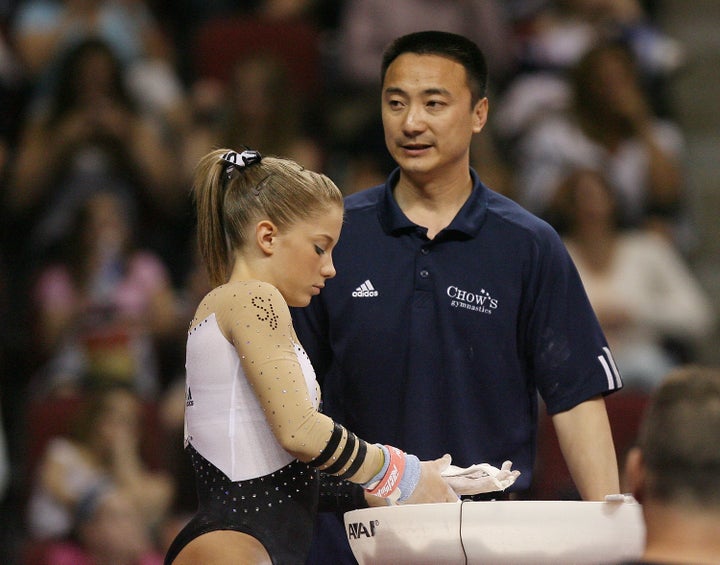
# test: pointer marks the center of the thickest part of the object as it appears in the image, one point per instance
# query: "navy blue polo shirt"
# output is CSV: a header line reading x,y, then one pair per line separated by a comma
x,y
442,346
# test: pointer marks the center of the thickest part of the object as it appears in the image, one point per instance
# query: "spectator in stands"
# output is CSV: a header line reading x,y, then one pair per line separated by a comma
x,y
104,448
44,29
253,109
108,530
90,136
650,305
553,35
104,306
610,127
675,469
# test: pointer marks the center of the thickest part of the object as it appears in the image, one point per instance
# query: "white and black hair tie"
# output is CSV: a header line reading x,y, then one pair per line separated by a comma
x,y
241,160
235,161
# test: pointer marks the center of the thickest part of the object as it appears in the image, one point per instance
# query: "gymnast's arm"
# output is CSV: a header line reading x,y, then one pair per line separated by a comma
x,y
260,327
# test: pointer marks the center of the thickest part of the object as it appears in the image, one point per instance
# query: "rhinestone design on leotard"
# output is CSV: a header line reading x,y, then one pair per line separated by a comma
x,y
249,495
267,312
278,509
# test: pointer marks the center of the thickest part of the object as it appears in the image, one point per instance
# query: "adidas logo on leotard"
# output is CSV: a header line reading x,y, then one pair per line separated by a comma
x,y
189,399
365,290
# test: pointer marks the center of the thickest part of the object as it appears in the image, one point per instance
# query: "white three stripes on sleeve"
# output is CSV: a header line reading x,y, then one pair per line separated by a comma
x,y
611,370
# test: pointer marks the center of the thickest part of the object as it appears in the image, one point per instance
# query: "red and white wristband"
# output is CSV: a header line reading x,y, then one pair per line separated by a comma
x,y
398,477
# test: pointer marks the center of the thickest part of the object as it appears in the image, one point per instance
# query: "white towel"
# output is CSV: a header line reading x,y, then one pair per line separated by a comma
x,y
480,478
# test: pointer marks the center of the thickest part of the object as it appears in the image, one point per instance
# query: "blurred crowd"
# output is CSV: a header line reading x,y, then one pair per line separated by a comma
x,y
108,104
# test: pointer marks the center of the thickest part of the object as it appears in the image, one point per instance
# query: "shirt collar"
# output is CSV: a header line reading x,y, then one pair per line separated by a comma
x,y
467,222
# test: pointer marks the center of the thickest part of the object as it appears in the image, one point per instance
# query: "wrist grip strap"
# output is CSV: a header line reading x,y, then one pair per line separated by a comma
x,y
391,478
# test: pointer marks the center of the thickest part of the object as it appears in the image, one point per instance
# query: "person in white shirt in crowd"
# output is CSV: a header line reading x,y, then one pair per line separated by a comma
x,y
652,308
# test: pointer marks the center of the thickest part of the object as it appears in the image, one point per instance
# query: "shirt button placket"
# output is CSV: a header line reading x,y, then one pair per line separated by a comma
x,y
424,269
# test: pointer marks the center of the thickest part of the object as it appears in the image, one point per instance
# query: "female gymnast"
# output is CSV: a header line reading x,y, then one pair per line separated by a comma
x,y
258,443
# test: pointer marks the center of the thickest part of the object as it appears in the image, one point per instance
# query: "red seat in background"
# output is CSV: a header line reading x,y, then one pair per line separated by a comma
x,y
221,42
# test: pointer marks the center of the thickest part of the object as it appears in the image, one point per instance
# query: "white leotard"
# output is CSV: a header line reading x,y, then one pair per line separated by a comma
x,y
224,421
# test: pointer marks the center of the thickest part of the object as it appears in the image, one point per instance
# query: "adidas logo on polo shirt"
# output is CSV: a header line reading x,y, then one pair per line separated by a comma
x,y
366,289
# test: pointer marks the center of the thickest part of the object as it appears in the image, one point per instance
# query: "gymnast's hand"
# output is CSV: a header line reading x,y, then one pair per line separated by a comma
x,y
432,487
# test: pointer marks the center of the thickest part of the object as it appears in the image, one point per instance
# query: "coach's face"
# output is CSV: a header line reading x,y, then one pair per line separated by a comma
x,y
428,117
